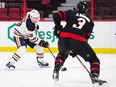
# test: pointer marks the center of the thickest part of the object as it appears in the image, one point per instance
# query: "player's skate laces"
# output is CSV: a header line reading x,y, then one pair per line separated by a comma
x,y
97,81
55,75
9,66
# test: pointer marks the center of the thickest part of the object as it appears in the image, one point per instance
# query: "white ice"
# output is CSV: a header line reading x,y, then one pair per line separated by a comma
x,y
28,74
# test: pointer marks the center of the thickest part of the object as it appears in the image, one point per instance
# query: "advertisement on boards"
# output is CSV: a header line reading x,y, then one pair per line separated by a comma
x,y
103,35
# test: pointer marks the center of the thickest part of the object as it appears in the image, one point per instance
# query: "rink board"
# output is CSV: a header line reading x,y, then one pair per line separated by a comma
x,y
102,39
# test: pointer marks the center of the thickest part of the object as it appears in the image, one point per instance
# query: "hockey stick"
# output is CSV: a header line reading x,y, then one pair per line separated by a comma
x,y
85,69
62,69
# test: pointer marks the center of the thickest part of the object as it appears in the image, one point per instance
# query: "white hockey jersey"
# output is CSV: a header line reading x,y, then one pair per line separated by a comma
x,y
26,29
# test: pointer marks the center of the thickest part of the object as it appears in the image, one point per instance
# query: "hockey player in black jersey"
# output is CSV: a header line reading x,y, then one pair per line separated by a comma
x,y
74,37
24,35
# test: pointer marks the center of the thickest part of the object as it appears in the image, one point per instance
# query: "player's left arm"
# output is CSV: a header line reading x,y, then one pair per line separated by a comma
x,y
58,17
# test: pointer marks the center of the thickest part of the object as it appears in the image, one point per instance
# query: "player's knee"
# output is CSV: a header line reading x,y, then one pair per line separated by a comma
x,y
95,59
63,56
21,50
39,49
92,58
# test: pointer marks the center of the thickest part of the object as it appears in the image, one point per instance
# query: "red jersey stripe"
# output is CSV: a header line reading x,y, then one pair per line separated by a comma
x,y
64,13
73,36
60,15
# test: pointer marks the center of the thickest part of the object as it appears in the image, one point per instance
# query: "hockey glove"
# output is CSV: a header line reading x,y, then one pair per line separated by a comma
x,y
44,43
57,30
73,54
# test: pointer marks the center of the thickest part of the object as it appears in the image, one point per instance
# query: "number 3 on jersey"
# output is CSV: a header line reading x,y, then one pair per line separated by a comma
x,y
80,23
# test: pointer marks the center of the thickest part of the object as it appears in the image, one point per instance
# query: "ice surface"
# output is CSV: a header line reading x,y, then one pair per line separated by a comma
x,y
28,74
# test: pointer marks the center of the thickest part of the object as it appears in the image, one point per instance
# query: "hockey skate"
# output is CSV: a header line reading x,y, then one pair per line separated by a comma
x,y
9,66
56,70
97,81
55,76
42,64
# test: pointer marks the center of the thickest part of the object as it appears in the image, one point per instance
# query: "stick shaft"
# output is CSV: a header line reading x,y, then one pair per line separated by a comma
x,y
85,69
47,47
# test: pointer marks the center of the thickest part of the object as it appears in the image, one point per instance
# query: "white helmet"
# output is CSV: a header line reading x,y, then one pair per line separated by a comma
x,y
34,13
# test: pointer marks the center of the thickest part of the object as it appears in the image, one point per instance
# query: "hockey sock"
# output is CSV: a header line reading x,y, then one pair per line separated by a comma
x,y
59,61
14,58
95,67
40,56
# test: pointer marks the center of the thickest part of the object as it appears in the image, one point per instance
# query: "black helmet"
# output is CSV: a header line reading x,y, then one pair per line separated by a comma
x,y
82,7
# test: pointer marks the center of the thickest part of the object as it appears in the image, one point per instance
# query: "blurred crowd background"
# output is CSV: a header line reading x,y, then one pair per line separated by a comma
x,y
14,9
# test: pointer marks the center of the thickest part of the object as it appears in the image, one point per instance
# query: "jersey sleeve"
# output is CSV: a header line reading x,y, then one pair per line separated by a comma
x,y
58,16
89,29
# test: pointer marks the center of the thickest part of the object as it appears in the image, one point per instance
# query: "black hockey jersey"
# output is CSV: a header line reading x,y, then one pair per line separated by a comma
x,y
78,26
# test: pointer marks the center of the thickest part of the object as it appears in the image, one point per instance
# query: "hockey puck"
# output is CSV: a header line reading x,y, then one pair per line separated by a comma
x,y
64,69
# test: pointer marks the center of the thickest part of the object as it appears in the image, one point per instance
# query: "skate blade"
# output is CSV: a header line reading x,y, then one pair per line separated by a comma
x,y
103,85
44,66
9,69
55,79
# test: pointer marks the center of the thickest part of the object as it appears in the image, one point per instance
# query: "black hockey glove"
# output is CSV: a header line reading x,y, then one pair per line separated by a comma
x,y
73,54
44,43
57,30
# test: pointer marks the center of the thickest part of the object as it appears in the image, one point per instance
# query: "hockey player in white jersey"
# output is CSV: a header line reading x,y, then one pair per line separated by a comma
x,y
24,34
